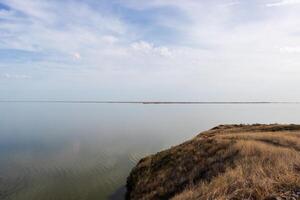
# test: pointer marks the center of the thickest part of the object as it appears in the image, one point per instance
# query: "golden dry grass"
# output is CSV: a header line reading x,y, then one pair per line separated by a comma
x,y
261,171
227,162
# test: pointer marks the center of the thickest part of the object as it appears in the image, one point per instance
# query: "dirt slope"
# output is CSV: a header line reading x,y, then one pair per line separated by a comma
x,y
226,162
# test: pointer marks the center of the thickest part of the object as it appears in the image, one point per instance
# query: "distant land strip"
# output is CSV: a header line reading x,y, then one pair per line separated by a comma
x,y
149,102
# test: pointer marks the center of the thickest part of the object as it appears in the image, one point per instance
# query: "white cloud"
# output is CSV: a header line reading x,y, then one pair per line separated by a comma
x,y
283,3
149,48
230,3
76,56
214,47
14,76
142,46
290,49
56,26
164,51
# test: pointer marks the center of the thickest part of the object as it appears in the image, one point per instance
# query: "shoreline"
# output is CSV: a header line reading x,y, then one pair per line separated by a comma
x,y
149,102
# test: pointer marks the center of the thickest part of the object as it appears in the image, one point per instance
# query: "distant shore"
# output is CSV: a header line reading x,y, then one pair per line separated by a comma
x,y
149,102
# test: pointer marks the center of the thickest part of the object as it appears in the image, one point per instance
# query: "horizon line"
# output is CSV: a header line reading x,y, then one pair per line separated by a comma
x,y
148,102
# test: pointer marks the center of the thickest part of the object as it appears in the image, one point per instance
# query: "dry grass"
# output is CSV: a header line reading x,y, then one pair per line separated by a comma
x,y
227,162
261,171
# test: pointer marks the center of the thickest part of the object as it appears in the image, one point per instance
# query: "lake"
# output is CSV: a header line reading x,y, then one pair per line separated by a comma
x,y
61,151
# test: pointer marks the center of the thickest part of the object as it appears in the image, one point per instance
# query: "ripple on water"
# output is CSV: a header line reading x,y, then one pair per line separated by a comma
x,y
82,177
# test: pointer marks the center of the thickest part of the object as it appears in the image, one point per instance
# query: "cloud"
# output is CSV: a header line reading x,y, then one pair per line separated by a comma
x,y
77,56
57,28
196,49
283,3
290,49
149,48
110,39
14,76
231,3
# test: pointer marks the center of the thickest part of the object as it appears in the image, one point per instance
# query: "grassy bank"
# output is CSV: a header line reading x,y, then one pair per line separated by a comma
x,y
226,162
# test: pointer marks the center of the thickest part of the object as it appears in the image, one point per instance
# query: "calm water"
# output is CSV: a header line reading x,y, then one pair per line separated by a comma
x,y
85,151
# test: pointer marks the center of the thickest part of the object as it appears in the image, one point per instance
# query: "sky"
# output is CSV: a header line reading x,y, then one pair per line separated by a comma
x,y
160,50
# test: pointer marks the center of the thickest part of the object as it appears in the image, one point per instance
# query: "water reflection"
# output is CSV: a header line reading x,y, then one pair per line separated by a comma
x,y
74,151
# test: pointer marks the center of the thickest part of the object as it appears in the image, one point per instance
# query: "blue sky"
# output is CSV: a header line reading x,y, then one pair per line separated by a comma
x,y
150,50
